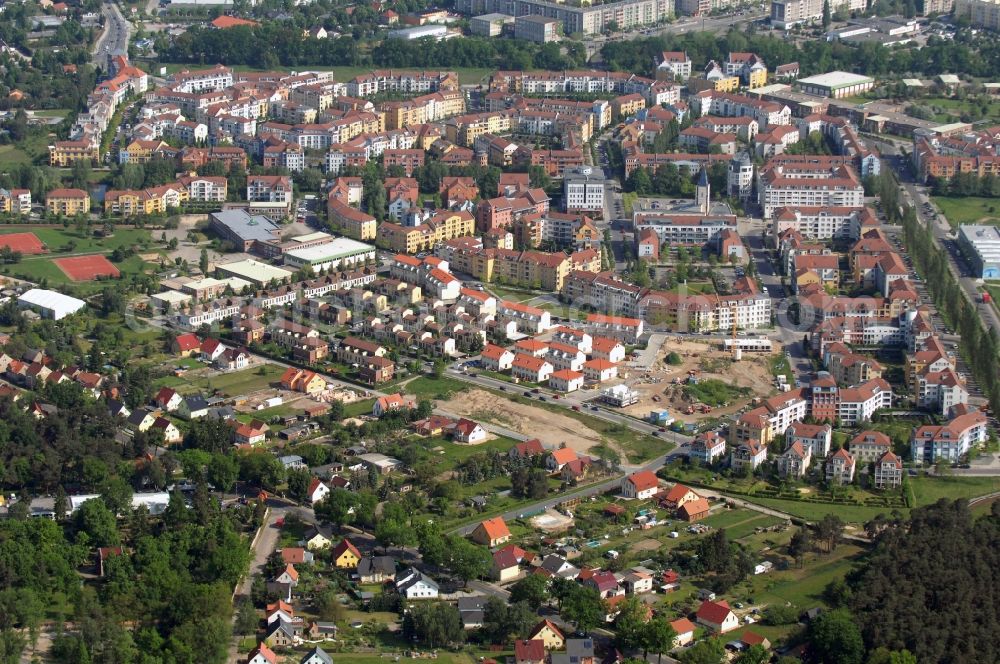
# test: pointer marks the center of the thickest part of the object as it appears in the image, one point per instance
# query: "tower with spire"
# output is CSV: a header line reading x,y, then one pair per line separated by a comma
x,y
703,195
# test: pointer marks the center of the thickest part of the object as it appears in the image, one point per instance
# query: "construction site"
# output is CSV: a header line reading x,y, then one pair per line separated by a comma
x,y
705,378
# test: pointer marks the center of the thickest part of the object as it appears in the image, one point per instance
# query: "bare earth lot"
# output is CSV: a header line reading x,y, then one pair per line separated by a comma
x,y
710,362
551,428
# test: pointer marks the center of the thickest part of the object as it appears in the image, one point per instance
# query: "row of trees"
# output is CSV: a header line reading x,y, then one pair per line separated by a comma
x,y
276,44
968,54
980,346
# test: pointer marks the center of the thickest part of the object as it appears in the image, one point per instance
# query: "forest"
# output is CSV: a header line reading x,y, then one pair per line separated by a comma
x,y
930,587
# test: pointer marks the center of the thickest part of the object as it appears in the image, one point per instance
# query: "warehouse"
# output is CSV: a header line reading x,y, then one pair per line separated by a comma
x,y
255,272
437,32
340,253
836,84
50,304
981,247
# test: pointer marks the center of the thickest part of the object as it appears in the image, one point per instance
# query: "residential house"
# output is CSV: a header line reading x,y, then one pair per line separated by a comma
x,y
185,344
748,456
707,447
840,468
317,491
529,651
345,555
888,471
168,399
678,496
794,461
526,449
507,563
389,403
469,432
717,616
640,486
496,358
413,584
813,437
171,434
262,655
491,532
558,458
547,632
683,632
376,569
317,655
637,583
868,446
694,510
531,369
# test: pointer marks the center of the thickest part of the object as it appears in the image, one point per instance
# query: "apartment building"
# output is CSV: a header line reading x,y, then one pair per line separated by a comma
x,y
205,188
823,223
270,195
155,200
675,65
626,14
683,228
350,221
67,202
63,154
950,441
814,182
443,226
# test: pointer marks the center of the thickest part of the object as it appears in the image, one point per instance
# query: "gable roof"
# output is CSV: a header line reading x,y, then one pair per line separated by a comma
x,y
714,612
345,546
643,480
563,455
495,528
531,650
545,622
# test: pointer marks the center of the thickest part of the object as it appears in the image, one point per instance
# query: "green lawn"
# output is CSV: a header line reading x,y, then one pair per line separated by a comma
x,y
929,490
231,384
971,210
804,587
12,154
69,240
816,511
695,287
511,294
428,387
781,367
628,200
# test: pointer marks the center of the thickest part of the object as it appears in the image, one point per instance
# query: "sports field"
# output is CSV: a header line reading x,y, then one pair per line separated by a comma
x,y
87,268
26,243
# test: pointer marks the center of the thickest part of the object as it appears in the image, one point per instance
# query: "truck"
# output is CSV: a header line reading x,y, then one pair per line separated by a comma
x,y
985,297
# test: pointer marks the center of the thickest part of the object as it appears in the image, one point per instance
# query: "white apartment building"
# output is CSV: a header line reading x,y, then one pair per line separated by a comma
x,y
802,185
583,190
858,404
683,228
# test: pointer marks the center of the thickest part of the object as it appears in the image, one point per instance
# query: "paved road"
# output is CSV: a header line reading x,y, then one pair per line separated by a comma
x,y
115,37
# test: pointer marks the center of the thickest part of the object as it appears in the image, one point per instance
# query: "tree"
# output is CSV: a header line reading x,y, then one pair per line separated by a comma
x,y
467,560
630,625
94,519
222,472
883,655
826,14
532,589
829,530
328,606
658,636
584,608
755,654
433,624
203,261
800,545
298,483
706,651
834,638
247,619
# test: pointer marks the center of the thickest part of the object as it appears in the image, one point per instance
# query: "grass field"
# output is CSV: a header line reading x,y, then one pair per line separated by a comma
x,y
511,294
428,387
12,154
68,240
816,511
928,490
231,384
804,587
971,210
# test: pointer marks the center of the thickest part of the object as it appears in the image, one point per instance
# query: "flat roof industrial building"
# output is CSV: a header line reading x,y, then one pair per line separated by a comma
x,y
337,253
50,304
254,271
981,247
243,229
835,84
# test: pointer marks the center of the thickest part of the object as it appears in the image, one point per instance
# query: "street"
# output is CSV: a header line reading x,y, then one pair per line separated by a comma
x,y
115,37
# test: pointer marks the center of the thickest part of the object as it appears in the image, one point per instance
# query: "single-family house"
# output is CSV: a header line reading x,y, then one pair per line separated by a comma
x,y
414,584
717,616
491,532
529,651
168,399
640,485
345,555
558,458
547,632
376,569
683,631
467,431
317,491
